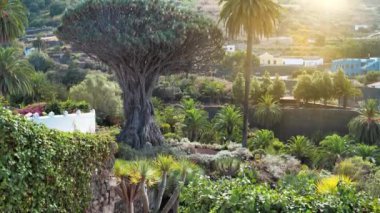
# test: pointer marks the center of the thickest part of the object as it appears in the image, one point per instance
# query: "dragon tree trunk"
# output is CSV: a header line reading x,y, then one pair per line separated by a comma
x,y
139,126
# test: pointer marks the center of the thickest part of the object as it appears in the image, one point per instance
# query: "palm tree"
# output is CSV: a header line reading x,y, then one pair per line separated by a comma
x,y
301,148
256,18
366,126
13,20
227,120
370,153
268,112
195,120
335,146
15,73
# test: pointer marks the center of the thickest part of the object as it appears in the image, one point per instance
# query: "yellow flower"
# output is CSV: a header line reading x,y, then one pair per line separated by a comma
x,y
329,185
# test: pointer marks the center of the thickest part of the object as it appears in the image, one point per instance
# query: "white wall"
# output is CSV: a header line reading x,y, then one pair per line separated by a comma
x,y
313,63
83,122
292,61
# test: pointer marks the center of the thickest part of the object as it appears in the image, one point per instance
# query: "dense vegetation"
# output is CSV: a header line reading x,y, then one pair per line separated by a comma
x,y
44,170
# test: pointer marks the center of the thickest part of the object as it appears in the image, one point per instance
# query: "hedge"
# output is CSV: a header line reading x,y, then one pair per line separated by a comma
x,y
44,170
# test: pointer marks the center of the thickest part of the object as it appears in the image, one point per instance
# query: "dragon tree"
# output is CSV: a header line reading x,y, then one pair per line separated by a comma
x,y
140,40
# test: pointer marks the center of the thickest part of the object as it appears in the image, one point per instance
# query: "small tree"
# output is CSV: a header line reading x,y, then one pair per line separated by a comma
x,y
278,88
303,88
344,88
326,87
238,89
101,93
141,40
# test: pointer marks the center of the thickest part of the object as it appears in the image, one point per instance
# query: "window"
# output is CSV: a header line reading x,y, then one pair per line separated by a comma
x,y
268,61
274,62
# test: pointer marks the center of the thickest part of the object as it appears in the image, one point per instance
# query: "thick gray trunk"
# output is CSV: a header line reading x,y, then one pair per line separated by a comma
x,y
139,126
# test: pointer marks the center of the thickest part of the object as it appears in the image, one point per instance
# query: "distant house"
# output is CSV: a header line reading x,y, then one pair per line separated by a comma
x,y
356,66
361,27
313,61
374,85
267,59
229,48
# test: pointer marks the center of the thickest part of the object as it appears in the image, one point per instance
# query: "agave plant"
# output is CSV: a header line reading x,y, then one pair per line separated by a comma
x,y
268,112
134,179
301,148
228,166
366,126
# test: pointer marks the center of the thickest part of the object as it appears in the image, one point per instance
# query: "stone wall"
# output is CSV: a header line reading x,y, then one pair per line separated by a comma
x,y
103,190
305,121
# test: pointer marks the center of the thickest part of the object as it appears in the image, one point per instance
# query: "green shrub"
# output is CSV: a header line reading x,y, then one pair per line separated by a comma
x,y
241,195
43,170
355,168
101,93
70,106
40,61
57,8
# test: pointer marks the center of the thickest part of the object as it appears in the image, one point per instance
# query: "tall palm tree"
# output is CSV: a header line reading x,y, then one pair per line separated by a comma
x,y
227,120
13,20
15,73
268,112
366,126
255,18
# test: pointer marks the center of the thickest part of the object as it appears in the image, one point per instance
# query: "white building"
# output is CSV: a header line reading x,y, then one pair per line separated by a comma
x,y
313,61
361,26
374,85
82,122
293,61
267,59
229,48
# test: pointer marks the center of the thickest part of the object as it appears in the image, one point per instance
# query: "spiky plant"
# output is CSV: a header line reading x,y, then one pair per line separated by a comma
x,y
335,146
367,152
185,169
164,164
301,148
366,126
228,166
329,185
195,119
134,178
268,112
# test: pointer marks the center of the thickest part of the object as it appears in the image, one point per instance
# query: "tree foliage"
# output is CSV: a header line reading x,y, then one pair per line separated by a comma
x,y
141,40
13,20
366,126
102,94
15,73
